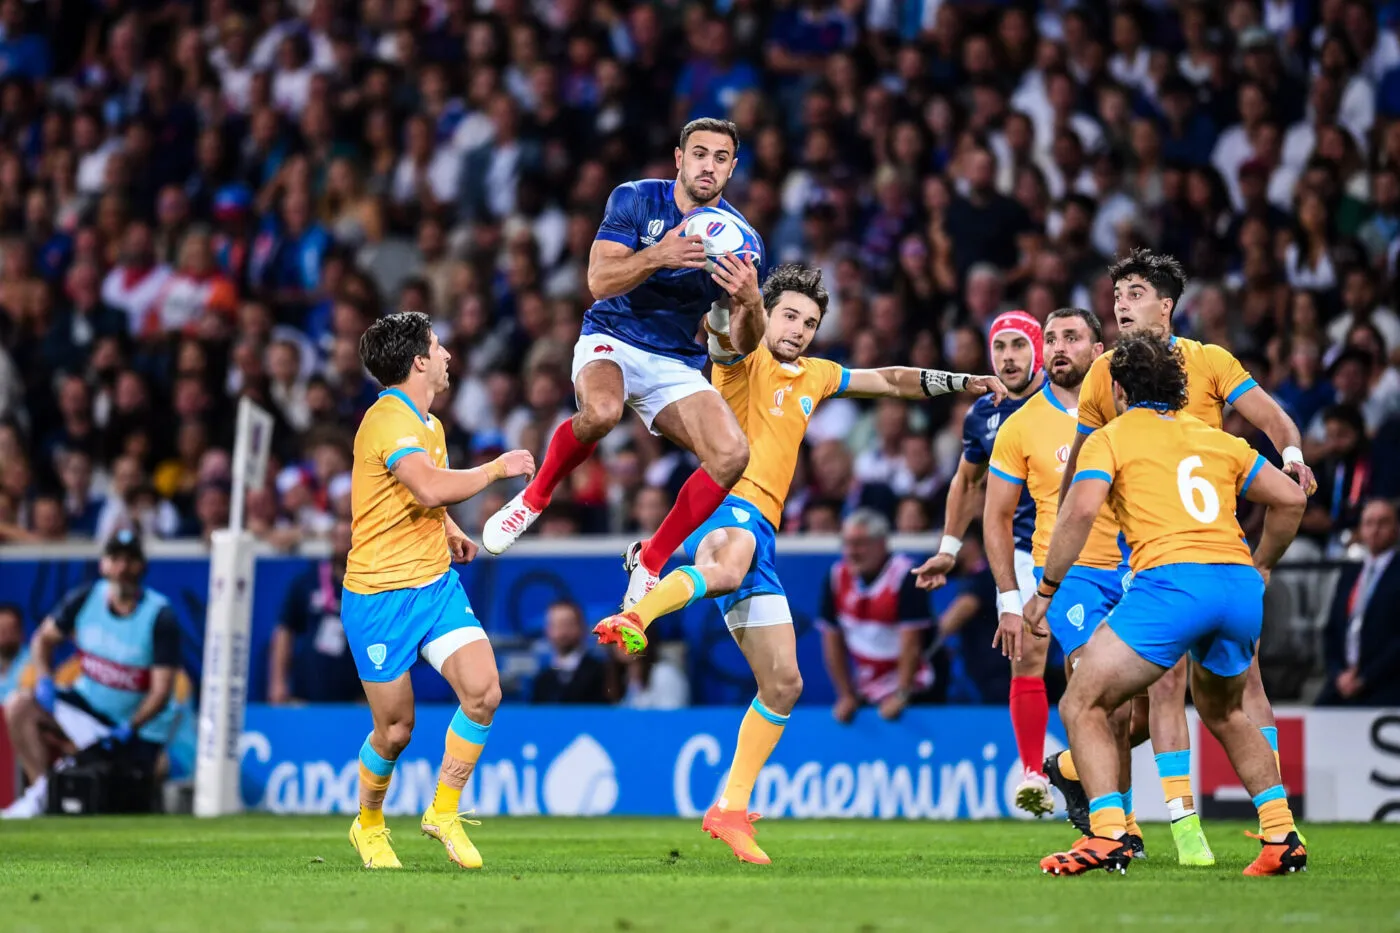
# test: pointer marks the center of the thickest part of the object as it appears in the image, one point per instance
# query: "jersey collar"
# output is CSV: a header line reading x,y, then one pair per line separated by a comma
x,y
1053,398
402,396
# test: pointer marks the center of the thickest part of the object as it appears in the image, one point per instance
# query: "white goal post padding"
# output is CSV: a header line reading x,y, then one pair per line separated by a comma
x,y
228,627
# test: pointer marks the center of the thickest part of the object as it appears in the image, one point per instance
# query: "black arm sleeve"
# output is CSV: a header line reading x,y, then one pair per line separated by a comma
x,y
166,640
913,602
65,616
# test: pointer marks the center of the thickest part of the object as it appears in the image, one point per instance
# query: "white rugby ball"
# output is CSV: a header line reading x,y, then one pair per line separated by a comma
x,y
722,232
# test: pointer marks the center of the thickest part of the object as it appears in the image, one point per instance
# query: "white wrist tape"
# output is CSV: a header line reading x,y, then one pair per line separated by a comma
x,y
937,382
950,545
1292,455
1010,602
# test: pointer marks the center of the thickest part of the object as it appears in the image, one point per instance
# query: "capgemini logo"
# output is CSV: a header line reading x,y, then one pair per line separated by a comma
x,y
581,781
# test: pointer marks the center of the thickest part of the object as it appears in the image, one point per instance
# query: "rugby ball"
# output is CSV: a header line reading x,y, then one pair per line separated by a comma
x,y
722,232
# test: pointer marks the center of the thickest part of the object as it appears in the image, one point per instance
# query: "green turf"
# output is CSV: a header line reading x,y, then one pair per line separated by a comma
x,y
264,873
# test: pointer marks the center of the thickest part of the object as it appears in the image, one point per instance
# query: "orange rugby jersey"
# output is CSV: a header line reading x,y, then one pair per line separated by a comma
x,y
395,543
1214,378
1031,449
1175,482
773,402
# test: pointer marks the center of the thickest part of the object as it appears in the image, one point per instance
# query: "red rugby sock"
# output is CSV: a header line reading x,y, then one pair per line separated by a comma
x,y
564,455
697,501
1030,714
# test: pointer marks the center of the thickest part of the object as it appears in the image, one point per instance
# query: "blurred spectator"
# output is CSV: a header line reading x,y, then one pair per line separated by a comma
x,y
1343,467
571,674
1363,632
306,168
873,620
14,650
653,679
308,659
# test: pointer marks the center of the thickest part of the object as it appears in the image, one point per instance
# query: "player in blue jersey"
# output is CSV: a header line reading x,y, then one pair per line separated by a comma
x,y
1016,340
639,349
128,642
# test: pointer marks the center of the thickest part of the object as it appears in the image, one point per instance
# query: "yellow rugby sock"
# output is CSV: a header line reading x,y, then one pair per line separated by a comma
x,y
1106,816
1275,819
1067,767
758,736
465,740
376,772
676,590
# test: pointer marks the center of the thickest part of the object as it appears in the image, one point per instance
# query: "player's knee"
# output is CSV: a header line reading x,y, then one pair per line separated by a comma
x,y
784,689
721,579
597,416
729,459
1032,660
396,736
480,703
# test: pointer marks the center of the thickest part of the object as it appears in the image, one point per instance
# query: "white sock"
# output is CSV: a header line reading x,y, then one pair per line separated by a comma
x,y
1177,809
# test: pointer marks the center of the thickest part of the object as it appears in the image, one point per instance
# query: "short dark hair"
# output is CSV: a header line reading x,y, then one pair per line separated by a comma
x,y
710,125
1088,317
1150,370
1160,270
391,344
793,277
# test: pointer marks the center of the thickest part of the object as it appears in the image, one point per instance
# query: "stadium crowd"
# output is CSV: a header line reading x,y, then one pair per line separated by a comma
x,y
206,201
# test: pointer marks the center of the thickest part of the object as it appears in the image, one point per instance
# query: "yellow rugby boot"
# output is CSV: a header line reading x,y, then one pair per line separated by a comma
x,y
372,845
447,829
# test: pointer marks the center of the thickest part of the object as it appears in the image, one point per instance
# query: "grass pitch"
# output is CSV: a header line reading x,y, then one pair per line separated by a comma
x,y
298,875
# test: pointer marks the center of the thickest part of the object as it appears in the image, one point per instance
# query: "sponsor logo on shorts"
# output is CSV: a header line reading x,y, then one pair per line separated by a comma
x,y
1075,616
377,654
739,514
604,348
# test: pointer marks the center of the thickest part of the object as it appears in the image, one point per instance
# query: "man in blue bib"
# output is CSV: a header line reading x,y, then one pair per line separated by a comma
x,y
128,649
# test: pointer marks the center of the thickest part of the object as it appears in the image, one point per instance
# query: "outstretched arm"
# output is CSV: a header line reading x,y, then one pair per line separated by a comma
x,y
911,383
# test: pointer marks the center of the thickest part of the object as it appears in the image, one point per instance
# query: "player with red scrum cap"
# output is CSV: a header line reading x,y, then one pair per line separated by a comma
x,y
1017,348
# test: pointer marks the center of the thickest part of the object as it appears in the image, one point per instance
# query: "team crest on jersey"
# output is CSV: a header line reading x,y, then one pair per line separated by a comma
x,y
377,654
806,402
1075,616
740,515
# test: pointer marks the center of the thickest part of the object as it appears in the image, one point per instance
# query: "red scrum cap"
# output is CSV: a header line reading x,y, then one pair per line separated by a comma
x,y
1025,325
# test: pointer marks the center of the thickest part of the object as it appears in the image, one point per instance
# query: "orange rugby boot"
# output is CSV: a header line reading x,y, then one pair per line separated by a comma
x,y
1089,853
735,829
1279,858
623,629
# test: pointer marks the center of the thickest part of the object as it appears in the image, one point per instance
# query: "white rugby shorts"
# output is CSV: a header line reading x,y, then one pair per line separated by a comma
x,y
1025,574
650,381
